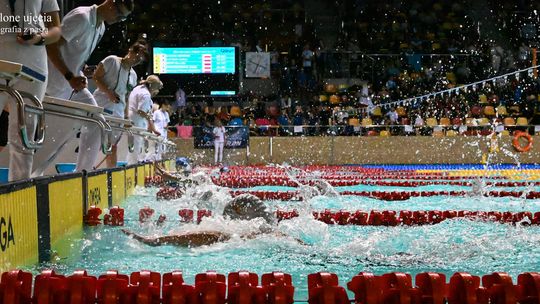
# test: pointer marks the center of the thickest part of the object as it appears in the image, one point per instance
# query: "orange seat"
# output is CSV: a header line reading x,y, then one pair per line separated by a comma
x,y
355,122
438,133
444,121
401,111
489,111
236,111
509,121
431,122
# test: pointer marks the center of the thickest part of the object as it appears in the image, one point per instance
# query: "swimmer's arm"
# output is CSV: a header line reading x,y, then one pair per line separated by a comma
x,y
193,239
142,239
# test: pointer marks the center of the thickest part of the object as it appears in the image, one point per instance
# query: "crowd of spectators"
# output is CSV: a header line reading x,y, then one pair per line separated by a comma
x,y
423,47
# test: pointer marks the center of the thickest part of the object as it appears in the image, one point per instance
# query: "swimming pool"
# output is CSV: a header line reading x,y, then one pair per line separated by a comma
x,y
475,246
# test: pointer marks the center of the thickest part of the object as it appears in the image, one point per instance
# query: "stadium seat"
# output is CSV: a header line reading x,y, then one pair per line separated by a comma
x,y
384,133
444,121
457,121
489,111
509,121
236,111
501,111
438,133
476,111
367,122
323,98
470,122
330,88
355,122
522,121
401,111
451,133
482,98
484,121
505,133
515,110
335,99
377,112
431,122
405,121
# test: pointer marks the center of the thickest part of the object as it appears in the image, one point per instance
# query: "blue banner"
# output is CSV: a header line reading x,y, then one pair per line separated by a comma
x,y
236,137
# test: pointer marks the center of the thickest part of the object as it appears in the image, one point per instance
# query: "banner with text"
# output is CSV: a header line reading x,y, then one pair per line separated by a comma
x,y
236,137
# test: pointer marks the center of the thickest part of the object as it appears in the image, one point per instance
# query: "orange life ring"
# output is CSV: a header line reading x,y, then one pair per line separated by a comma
x,y
516,144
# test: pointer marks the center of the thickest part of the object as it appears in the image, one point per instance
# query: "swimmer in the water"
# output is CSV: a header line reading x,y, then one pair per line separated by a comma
x,y
243,207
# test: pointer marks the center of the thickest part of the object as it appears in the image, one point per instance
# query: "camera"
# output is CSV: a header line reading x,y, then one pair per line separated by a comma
x,y
27,36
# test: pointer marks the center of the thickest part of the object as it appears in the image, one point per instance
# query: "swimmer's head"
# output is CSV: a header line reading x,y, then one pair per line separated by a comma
x,y
183,165
247,207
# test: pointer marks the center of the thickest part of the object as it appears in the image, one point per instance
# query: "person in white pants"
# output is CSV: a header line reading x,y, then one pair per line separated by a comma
x,y
30,51
161,121
115,78
219,141
139,111
82,29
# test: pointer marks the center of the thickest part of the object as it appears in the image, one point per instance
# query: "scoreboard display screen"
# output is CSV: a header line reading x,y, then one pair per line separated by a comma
x,y
201,60
199,71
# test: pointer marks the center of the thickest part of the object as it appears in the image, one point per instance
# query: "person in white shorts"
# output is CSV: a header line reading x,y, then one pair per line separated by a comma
x,y
115,78
25,44
82,29
161,121
139,111
219,141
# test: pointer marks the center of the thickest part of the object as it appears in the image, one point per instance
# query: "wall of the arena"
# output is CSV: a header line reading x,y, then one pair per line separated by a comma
x,y
368,150
39,218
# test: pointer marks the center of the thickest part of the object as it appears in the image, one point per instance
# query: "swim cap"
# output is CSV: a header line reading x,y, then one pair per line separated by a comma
x,y
182,161
247,207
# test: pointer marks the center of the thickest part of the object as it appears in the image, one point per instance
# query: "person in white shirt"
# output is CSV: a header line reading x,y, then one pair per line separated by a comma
x,y
82,29
140,113
219,141
25,44
115,78
392,116
161,121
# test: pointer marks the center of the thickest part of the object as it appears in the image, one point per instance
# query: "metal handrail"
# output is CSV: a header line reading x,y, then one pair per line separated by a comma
x,y
123,125
94,117
22,108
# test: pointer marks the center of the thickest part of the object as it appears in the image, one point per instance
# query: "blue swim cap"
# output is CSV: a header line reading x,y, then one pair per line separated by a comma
x,y
182,161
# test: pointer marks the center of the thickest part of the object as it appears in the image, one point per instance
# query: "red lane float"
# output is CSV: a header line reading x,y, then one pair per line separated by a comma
x,y
412,218
358,217
323,288
248,182
387,196
276,287
91,218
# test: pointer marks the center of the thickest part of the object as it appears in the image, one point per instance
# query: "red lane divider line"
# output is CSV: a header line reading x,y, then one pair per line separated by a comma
x,y
244,288
358,217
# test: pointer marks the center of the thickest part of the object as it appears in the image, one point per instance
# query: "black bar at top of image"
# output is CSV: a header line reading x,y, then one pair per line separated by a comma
x,y
43,222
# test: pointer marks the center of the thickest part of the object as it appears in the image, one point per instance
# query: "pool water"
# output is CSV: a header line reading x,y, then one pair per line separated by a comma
x,y
453,245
